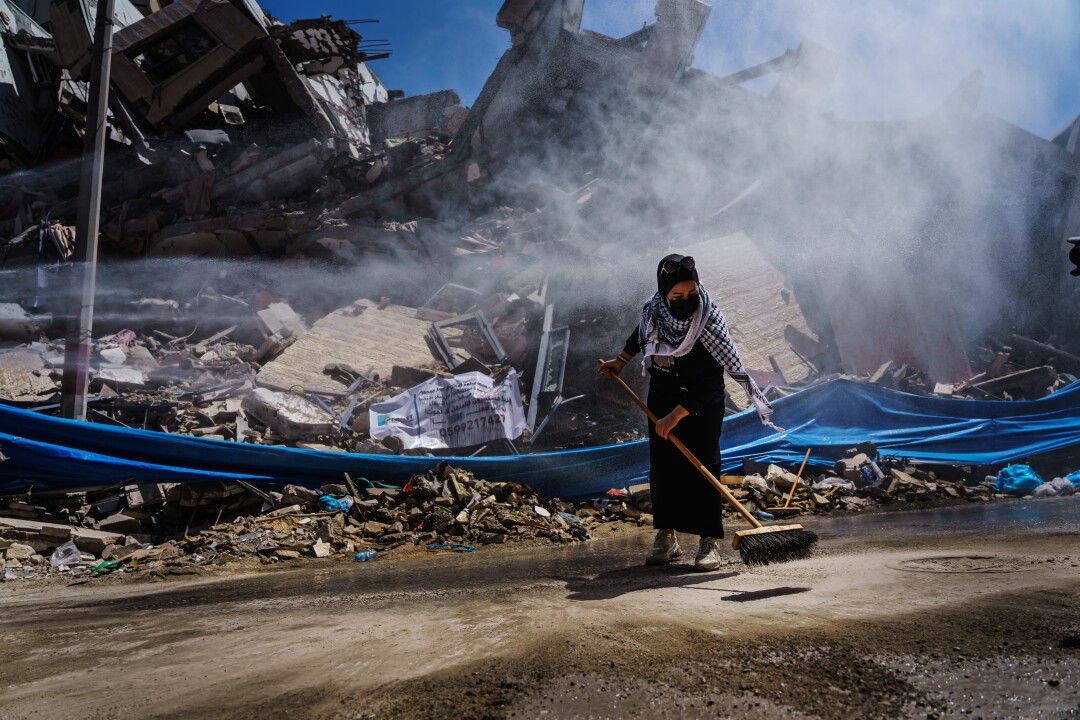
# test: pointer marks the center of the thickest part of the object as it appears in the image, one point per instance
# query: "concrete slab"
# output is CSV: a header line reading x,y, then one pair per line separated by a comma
x,y
374,338
23,376
750,292
17,324
291,416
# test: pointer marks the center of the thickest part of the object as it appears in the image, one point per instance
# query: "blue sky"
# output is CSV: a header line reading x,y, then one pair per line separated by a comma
x,y
899,58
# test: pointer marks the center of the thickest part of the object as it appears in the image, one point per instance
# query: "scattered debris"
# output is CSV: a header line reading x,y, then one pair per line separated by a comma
x,y
236,136
863,480
156,531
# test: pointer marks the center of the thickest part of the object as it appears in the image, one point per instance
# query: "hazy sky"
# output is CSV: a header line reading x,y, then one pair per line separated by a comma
x,y
899,58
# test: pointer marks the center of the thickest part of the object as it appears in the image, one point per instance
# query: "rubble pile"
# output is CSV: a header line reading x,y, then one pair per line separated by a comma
x,y
1018,368
245,366
219,156
438,240
862,480
281,144
162,530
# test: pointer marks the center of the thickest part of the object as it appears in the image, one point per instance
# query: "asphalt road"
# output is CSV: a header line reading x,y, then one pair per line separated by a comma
x,y
970,611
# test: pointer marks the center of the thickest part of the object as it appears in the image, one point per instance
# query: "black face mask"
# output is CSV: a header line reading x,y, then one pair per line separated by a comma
x,y
684,309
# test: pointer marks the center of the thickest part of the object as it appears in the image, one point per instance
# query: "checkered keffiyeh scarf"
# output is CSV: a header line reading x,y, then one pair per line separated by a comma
x,y
661,334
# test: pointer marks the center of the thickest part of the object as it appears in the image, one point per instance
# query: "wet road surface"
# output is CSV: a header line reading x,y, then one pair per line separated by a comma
x,y
969,611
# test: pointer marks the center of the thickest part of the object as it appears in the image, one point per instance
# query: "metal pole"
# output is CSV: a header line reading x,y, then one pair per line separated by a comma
x,y
80,327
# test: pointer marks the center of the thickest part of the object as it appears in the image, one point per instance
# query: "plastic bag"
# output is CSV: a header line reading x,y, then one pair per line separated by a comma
x,y
1064,486
1018,480
1054,488
1045,490
1074,478
66,554
328,503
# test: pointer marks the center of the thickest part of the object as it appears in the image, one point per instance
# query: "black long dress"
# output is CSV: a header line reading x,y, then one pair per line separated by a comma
x,y
682,499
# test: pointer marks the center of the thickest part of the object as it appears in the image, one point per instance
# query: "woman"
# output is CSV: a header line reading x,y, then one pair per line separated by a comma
x,y
686,337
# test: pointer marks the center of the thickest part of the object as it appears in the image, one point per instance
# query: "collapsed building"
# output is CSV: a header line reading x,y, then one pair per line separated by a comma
x,y
967,207
289,244
901,252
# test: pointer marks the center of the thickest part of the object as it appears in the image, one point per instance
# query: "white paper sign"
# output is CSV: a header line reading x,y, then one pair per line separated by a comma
x,y
456,412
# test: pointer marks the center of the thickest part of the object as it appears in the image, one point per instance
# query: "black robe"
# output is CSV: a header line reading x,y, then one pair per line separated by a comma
x,y
682,499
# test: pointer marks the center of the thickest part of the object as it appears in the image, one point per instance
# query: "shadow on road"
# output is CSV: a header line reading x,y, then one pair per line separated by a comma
x,y
752,595
614,583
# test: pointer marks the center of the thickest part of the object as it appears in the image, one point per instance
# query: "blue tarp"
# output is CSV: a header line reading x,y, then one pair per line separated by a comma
x,y
48,452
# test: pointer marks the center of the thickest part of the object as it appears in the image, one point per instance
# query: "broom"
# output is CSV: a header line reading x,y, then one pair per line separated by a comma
x,y
761,545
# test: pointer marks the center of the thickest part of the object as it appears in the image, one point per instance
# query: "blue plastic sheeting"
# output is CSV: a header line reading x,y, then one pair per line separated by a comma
x,y
65,454
829,418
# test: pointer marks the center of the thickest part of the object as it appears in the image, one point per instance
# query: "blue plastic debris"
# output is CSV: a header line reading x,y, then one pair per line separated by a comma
x,y
1018,480
452,547
575,520
329,503
1074,478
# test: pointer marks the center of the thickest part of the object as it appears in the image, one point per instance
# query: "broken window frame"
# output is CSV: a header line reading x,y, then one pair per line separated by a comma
x,y
446,353
185,50
40,70
543,379
427,312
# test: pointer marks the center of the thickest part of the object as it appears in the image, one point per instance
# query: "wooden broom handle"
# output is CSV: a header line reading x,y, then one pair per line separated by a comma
x,y
797,475
689,455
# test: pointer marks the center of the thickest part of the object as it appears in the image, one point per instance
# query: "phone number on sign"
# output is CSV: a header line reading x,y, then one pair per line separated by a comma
x,y
478,423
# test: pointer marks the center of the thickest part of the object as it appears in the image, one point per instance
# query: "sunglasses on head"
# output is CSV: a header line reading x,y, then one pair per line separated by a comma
x,y
671,266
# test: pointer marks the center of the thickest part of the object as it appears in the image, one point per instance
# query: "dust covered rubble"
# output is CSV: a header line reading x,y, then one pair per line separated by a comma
x,y
152,531
311,162
245,366
864,480
222,364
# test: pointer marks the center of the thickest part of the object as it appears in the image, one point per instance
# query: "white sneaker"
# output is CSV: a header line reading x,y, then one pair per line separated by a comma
x,y
665,548
708,555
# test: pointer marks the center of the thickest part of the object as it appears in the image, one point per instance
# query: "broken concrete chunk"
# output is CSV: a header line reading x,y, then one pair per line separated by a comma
x,y
280,319
297,495
18,551
17,324
901,481
95,541
414,116
282,512
851,468
113,356
781,478
119,377
140,357
370,447
290,416
121,524
144,495
321,447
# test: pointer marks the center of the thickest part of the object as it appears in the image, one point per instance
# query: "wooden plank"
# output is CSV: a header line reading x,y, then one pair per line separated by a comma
x,y
1033,380
1061,360
996,366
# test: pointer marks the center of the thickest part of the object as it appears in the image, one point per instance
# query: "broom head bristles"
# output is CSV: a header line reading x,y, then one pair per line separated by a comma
x,y
776,544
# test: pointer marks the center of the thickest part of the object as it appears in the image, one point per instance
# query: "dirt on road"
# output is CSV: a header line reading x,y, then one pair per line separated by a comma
x,y
961,612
